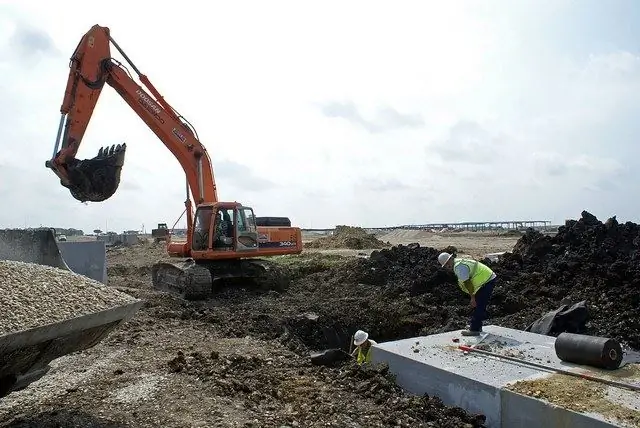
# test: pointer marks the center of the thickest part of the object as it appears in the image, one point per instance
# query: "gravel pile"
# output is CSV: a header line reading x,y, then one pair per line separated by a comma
x,y
33,295
354,238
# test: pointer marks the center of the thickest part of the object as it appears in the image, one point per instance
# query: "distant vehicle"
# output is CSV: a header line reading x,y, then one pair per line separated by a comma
x,y
62,238
161,233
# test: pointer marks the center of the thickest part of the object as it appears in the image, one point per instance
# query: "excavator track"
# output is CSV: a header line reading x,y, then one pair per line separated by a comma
x,y
187,279
193,280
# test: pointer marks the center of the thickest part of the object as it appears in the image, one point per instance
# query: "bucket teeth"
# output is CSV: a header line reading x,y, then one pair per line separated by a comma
x,y
97,179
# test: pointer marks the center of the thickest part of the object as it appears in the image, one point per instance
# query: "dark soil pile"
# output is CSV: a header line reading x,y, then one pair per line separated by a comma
x,y
402,292
586,260
353,238
396,293
285,389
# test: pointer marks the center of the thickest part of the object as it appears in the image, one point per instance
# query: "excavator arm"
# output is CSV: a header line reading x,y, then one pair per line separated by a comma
x,y
97,179
216,250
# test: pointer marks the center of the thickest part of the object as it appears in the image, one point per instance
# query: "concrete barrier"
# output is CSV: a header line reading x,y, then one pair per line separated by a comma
x,y
88,258
31,246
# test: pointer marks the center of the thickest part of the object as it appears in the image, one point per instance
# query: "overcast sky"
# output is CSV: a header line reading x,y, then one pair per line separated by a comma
x,y
349,112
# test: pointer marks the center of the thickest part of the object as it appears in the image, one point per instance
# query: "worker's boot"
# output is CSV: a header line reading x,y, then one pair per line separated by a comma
x,y
470,333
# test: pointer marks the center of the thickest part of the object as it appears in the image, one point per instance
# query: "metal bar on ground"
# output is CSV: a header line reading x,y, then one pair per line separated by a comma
x,y
561,371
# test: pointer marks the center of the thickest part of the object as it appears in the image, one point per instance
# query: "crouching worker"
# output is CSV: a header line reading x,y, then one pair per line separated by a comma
x,y
477,280
363,347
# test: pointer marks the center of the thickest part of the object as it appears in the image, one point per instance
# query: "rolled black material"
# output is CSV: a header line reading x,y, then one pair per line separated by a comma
x,y
586,350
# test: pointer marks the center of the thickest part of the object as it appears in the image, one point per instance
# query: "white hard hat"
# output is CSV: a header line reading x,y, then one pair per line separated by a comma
x,y
360,337
443,258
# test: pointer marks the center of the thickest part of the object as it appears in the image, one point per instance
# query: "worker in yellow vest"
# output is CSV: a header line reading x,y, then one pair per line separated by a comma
x,y
477,280
363,347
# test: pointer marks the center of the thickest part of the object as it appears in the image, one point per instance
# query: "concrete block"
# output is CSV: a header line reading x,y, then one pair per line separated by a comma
x,y
479,383
88,258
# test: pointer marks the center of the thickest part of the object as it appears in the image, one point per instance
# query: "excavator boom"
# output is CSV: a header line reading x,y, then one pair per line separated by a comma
x,y
220,235
97,179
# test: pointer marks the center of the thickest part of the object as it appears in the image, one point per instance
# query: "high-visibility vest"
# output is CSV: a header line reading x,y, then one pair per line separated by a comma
x,y
364,357
479,274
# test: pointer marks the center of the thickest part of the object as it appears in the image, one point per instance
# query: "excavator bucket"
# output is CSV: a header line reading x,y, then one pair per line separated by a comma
x,y
96,179
25,355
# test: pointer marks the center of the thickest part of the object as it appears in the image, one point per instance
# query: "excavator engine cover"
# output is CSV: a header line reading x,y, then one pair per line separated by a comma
x,y
96,179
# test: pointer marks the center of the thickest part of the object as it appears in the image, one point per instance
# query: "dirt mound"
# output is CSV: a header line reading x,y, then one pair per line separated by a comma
x,y
396,293
403,268
294,392
402,292
586,260
353,238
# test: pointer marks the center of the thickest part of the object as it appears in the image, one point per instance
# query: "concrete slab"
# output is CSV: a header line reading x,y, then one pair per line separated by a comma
x,y
88,258
511,394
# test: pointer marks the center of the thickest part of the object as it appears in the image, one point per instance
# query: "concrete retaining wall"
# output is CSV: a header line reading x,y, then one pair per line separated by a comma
x,y
479,384
88,258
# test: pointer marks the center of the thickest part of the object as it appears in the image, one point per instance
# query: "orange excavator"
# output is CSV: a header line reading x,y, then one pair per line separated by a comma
x,y
224,239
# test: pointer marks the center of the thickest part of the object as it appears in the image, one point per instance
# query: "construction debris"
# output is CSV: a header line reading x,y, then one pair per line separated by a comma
x,y
33,295
354,238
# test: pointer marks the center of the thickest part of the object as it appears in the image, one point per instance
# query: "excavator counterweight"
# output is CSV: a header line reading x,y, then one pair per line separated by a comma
x,y
225,240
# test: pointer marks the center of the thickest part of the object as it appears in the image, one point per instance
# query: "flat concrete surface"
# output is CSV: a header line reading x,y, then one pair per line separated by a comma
x,y
511,394
88,258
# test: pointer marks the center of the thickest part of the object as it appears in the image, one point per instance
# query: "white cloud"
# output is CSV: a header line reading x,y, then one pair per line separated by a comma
x,y
361,112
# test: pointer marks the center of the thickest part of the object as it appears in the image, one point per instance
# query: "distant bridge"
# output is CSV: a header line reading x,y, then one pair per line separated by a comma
x,y
471,226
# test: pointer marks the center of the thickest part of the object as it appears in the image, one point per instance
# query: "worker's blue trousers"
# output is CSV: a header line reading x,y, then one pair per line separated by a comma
x,y
483,295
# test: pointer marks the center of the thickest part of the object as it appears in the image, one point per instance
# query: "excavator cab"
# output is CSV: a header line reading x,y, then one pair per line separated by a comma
x,y
225,227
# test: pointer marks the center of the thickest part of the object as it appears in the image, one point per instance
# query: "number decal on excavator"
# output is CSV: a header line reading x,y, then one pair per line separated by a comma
x,y
287,244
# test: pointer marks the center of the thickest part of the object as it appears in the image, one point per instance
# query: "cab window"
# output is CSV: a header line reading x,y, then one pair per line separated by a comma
x,y
249,220
201,228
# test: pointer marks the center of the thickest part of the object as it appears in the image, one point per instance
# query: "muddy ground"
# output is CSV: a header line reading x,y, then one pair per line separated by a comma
x,y
242,358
